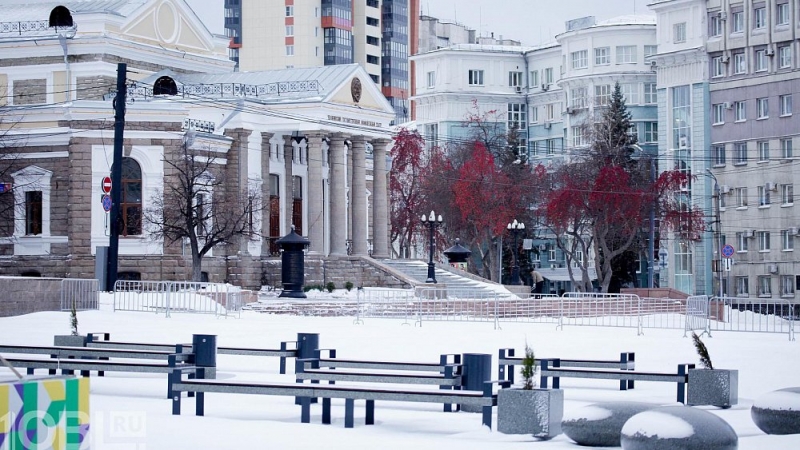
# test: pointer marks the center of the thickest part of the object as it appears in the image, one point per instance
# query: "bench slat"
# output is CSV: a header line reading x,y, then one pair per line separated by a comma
x,y
380,365
326,375
612,375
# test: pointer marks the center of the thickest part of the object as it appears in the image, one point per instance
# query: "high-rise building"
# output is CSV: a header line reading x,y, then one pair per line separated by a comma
x,y
379,35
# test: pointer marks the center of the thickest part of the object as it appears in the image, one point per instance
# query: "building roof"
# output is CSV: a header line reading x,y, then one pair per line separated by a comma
x,y
627,20
30,10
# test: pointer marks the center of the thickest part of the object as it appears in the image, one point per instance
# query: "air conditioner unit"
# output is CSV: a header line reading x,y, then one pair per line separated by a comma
x,y
518,89
725,59
749,234
727,105
652,63
545,87
770,51
772,268
722,15
570,110
771,186
792,231
547,125
724,189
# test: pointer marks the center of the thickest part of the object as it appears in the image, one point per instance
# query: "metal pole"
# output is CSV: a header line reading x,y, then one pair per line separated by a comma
x,y
651,246
515,267
116,177
431,267
718,231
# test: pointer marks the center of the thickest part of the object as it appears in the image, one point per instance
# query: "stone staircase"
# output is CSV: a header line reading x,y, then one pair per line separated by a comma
x,y
418,271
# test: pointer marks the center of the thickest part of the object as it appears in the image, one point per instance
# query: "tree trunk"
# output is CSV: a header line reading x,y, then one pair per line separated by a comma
x,y
197,267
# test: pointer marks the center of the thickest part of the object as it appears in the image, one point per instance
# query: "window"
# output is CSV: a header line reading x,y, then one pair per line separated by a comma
x,y
742,242
431,79
476,78
548,75
131,201
516,116
717,114
373,3
289,11
764,286
782,14
786,148
534,78
549,112
371,21
290,50
787,285
740,153
763,150
737,21
762,64
763,241
717,67
650,132
534,114
739,64
297,204
602,94
714,24
763,197
626,54
787,194
740,111
551,147
578,137
786,104
650,50
33,213
290,30
372,59
372,40
579,97
631,93
650,94
679,33
580,59
742,287
762,108
602,56
787,240
718,155
741,197
551,254
785,56
514,79
759,17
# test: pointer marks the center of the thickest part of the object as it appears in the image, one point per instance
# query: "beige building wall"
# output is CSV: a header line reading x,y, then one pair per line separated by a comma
x,y
264,34
362,50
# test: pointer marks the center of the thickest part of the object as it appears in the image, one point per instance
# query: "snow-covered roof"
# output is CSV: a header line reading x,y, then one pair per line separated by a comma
x,y
30,10
627,20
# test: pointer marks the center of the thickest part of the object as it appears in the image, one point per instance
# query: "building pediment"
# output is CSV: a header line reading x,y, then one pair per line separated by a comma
x,y
358,90
168,23
32,172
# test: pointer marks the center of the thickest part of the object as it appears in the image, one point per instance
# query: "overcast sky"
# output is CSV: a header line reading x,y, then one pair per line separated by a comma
x,y
531,21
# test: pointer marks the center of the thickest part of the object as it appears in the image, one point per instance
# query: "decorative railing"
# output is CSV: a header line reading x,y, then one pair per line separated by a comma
x,y
229,90
32,27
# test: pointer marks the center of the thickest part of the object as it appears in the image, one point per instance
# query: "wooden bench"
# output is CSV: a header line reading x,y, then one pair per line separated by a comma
x,y
627,361
486,399
551,369
172,368
288,349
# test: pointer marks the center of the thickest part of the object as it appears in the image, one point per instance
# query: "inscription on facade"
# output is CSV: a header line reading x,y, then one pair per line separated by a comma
x,y
368,123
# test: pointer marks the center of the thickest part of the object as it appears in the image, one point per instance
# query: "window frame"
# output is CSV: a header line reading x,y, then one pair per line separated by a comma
x,y
602,56
717,114
787,241
785,105
763,151
739,153
679,33
759,17
579,59
763,238
787,194
762,108
737,21
787,152
626,54
431,79
764,286
785,56
740,111
718,155
475,77
739,63
717,67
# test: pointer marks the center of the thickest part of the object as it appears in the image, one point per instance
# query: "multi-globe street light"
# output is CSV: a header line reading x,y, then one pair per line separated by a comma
x,y
432,221
515,228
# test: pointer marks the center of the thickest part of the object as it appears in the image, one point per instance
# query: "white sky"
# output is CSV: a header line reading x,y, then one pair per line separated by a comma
x,y
130,411
531,21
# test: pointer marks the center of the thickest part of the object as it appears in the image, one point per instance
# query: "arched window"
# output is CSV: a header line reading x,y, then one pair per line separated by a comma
x,y
131,201
165,86
60,17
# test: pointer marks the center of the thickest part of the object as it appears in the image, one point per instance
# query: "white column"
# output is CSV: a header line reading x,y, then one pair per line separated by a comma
x,y
380,201
316,213
359,196
338,195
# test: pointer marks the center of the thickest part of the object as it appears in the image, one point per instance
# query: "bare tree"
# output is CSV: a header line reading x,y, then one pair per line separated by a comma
x,y
198,205
8,165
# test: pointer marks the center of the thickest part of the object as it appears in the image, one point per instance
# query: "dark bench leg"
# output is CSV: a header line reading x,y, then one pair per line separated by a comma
x,y
305,409
370,418
487,416
199,403
176,405
683,370
50,371
102,373
282,370
624,384
31,369
349,410
326,411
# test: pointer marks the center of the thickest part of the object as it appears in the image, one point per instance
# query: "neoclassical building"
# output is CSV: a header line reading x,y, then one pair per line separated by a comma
x,y
312,141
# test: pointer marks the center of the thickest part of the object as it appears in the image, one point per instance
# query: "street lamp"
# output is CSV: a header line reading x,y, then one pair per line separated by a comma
x,y
432,222
515,228
718,230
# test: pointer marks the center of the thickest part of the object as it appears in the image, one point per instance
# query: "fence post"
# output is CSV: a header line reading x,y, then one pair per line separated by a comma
x,y
560,313
168,290
639,330
496,312
707,328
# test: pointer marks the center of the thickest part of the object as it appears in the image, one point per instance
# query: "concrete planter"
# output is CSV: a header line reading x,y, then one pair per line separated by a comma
x,y
717,387
68,340
537,412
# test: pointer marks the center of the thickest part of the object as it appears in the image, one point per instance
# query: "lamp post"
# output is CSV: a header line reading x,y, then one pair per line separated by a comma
x,y
718,231
432,221
515,228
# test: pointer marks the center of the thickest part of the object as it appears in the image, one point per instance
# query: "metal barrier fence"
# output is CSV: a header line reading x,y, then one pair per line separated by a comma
x,y
82,293
579,309
178,296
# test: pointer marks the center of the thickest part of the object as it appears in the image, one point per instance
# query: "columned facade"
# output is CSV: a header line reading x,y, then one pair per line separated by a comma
x,y
380,203
359,197
338,200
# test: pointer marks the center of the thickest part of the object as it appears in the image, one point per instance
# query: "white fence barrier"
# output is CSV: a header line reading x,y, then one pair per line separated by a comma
x,y
697,316
80,293
178,296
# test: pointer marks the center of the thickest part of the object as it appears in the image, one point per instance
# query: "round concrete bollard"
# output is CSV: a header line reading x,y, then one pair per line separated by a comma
x,y
675,427
600,424
778,412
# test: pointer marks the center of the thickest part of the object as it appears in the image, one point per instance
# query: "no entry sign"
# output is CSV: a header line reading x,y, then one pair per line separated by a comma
x,y
106,185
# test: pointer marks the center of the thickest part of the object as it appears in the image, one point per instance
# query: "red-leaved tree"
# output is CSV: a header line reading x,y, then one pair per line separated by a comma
x,y
404,191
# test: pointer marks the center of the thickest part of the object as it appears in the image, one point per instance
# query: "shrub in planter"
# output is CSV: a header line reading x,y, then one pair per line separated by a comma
x,y
710,386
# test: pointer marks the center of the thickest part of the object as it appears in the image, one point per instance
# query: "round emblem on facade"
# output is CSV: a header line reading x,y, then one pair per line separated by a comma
x,y
355,89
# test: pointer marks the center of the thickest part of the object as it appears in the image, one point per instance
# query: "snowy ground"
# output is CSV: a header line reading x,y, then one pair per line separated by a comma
x,y
130,411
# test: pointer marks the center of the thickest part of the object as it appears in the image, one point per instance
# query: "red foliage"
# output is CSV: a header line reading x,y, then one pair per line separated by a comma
x,y
404,187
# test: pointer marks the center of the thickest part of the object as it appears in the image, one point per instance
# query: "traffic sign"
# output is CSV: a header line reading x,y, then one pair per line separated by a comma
x,y
106,185
727,250
5,187
106,201
726,264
